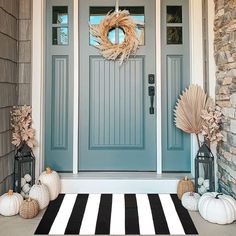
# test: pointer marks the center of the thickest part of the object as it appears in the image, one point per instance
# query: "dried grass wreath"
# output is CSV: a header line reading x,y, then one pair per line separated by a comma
x,y
131,41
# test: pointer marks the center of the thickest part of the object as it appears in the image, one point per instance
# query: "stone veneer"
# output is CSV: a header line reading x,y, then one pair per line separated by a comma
x,y
225,57
15,75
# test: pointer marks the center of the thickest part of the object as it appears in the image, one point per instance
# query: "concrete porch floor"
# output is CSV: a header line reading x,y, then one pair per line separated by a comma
x,y
17,226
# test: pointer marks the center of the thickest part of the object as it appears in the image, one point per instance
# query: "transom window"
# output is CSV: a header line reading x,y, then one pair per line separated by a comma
x,y
116,35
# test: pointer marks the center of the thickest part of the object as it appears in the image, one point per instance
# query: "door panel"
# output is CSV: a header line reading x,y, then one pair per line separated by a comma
x,y
116,104
175,78
59,85
117,133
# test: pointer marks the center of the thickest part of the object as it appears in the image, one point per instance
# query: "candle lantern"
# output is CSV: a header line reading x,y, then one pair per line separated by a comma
x,y
24,164
204,170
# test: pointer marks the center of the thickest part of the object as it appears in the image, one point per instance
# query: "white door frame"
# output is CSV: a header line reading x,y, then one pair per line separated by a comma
x,y
38,74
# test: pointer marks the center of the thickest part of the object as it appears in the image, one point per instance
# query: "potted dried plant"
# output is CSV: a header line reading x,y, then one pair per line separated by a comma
x,y
196,113
23,137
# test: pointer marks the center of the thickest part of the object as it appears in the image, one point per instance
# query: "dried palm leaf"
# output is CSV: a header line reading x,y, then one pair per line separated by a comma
x,y
189,108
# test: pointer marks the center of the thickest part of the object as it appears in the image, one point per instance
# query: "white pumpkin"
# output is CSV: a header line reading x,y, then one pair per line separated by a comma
x,y
40,193
206,184
26,188
190,201
22,182
200,181
217,208
10,203
27,178
52,180
22,194
202,190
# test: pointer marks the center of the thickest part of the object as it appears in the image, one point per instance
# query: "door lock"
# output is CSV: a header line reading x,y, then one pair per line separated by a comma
x,y
151,78
151,93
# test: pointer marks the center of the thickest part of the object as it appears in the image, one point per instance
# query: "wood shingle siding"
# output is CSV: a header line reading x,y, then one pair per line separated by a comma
x,y
15,75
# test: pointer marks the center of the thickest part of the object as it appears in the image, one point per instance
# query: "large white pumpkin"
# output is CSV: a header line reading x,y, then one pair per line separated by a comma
x,y
40,193
52,180
190,201
10,203
217,208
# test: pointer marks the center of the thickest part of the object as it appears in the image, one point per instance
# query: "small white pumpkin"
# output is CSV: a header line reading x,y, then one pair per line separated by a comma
x,y
206,184
52,180
190,201
27,178
40,193
217,208
10,203
202,190
26,188
22,194
22,182
200,181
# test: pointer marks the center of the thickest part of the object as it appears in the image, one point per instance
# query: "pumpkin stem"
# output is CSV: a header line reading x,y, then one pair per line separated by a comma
x,y
217,196
186,178
10,192
191,194
48,170
29,199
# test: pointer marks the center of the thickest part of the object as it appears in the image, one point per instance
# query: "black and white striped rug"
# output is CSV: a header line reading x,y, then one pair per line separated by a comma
x,y
116,214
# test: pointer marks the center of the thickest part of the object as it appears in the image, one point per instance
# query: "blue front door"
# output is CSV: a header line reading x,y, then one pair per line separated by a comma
x,y
117,131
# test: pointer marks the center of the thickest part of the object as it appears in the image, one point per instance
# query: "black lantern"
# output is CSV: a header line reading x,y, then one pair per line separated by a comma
x,y
204,170
24,164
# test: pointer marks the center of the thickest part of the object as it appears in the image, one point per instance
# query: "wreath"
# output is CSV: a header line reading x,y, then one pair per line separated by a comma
x,y
110,51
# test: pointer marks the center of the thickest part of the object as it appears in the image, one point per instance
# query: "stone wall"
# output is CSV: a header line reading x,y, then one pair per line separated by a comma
x,y
15,75
225,57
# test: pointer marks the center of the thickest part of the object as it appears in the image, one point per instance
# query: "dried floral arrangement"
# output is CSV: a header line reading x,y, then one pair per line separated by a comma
x,y
188,110
131,42
21,122
212,119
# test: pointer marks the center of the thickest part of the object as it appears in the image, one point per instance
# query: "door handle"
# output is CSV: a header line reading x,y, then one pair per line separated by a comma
x,y
151,93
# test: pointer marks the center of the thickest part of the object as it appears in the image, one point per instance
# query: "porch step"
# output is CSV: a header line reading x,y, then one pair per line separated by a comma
x,y
119,182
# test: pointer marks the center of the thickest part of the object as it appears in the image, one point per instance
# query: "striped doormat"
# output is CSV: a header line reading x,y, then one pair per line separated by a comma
x,y
116,214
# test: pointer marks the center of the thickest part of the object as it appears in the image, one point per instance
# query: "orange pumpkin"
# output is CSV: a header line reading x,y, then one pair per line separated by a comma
x,y
184,185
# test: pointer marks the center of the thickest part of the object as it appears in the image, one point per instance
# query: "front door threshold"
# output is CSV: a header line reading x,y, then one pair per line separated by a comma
x,y
120,182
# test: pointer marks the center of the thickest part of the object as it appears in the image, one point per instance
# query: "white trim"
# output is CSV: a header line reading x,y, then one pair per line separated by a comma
x,y
38,80
76,88
196,57
158,86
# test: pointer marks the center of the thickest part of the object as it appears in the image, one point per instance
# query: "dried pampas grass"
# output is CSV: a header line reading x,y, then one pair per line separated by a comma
x,y
188,110
112,51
